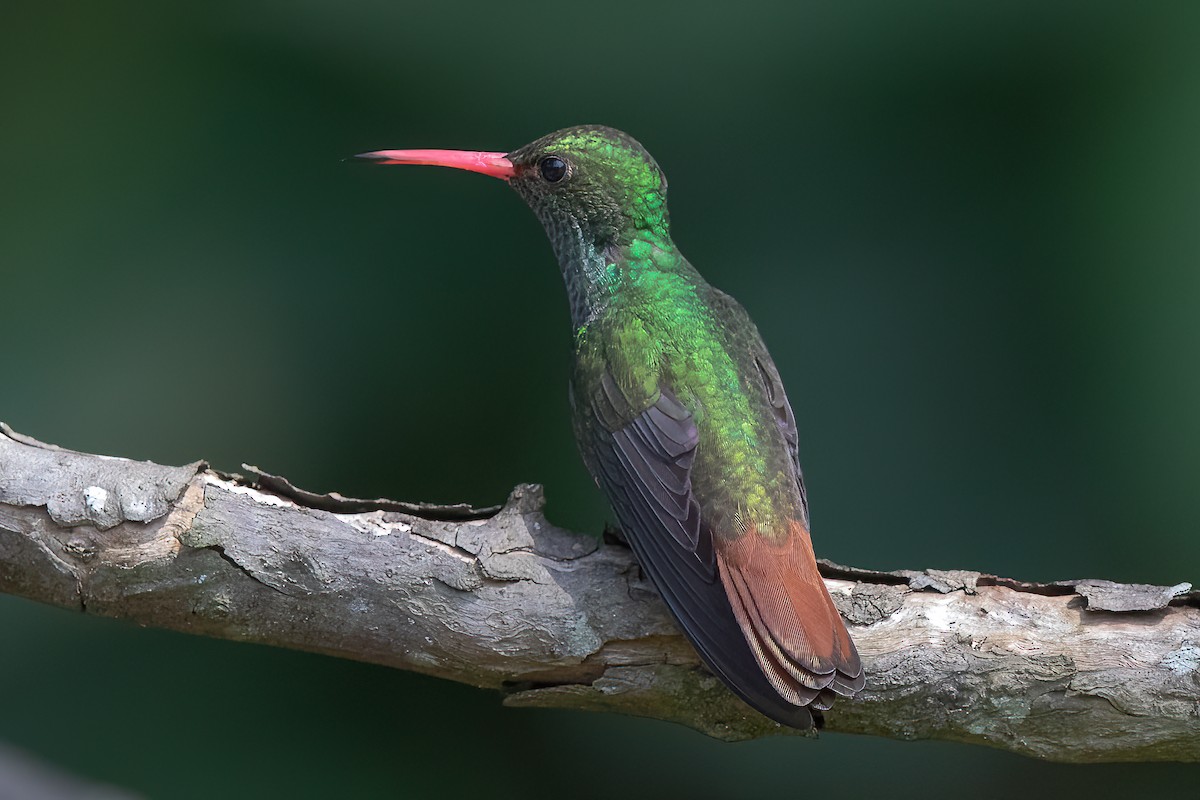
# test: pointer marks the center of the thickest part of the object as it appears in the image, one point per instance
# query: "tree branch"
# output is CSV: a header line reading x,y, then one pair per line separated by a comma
x,y
500,598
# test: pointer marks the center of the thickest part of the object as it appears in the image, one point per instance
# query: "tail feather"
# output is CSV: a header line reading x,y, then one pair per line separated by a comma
x,y
788,617
702,609
791,684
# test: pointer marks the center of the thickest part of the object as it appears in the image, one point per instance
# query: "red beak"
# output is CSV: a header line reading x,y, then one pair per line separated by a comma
x,y
495,164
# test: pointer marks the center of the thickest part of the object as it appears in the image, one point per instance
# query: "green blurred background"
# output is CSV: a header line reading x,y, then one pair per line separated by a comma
x,y
968,234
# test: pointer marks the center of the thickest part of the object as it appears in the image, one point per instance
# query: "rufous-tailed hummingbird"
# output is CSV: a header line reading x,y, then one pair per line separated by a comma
x,y
682,420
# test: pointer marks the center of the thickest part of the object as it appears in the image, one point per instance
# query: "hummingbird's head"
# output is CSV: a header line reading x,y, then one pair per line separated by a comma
x,y
588,182
593,179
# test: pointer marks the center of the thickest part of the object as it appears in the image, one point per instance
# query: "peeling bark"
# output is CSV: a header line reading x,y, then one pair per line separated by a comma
x,y
1071,671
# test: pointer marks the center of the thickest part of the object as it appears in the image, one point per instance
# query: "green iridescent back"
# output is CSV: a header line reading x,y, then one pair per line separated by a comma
x,y
667,329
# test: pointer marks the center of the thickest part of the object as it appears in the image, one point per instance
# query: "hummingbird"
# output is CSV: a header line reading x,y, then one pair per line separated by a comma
x,y
682,421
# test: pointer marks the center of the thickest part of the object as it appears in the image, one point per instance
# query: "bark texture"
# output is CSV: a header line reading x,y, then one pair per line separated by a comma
x,y
1071,671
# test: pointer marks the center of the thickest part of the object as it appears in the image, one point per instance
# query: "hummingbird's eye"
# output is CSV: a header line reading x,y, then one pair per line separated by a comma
x,y
553,168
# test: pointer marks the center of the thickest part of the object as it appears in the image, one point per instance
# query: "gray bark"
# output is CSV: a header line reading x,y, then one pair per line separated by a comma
x,y
500,598
23,777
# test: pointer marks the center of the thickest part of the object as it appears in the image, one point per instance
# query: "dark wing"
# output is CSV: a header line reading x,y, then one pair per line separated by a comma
x,y
642,459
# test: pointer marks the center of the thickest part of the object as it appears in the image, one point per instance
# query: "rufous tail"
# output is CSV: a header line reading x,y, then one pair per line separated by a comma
x,y
789,619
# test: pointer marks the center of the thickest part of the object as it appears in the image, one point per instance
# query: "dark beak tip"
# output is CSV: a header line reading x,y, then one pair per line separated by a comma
x,y
366,157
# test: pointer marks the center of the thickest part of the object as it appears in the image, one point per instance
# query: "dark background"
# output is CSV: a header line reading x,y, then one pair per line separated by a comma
x,y
968,232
